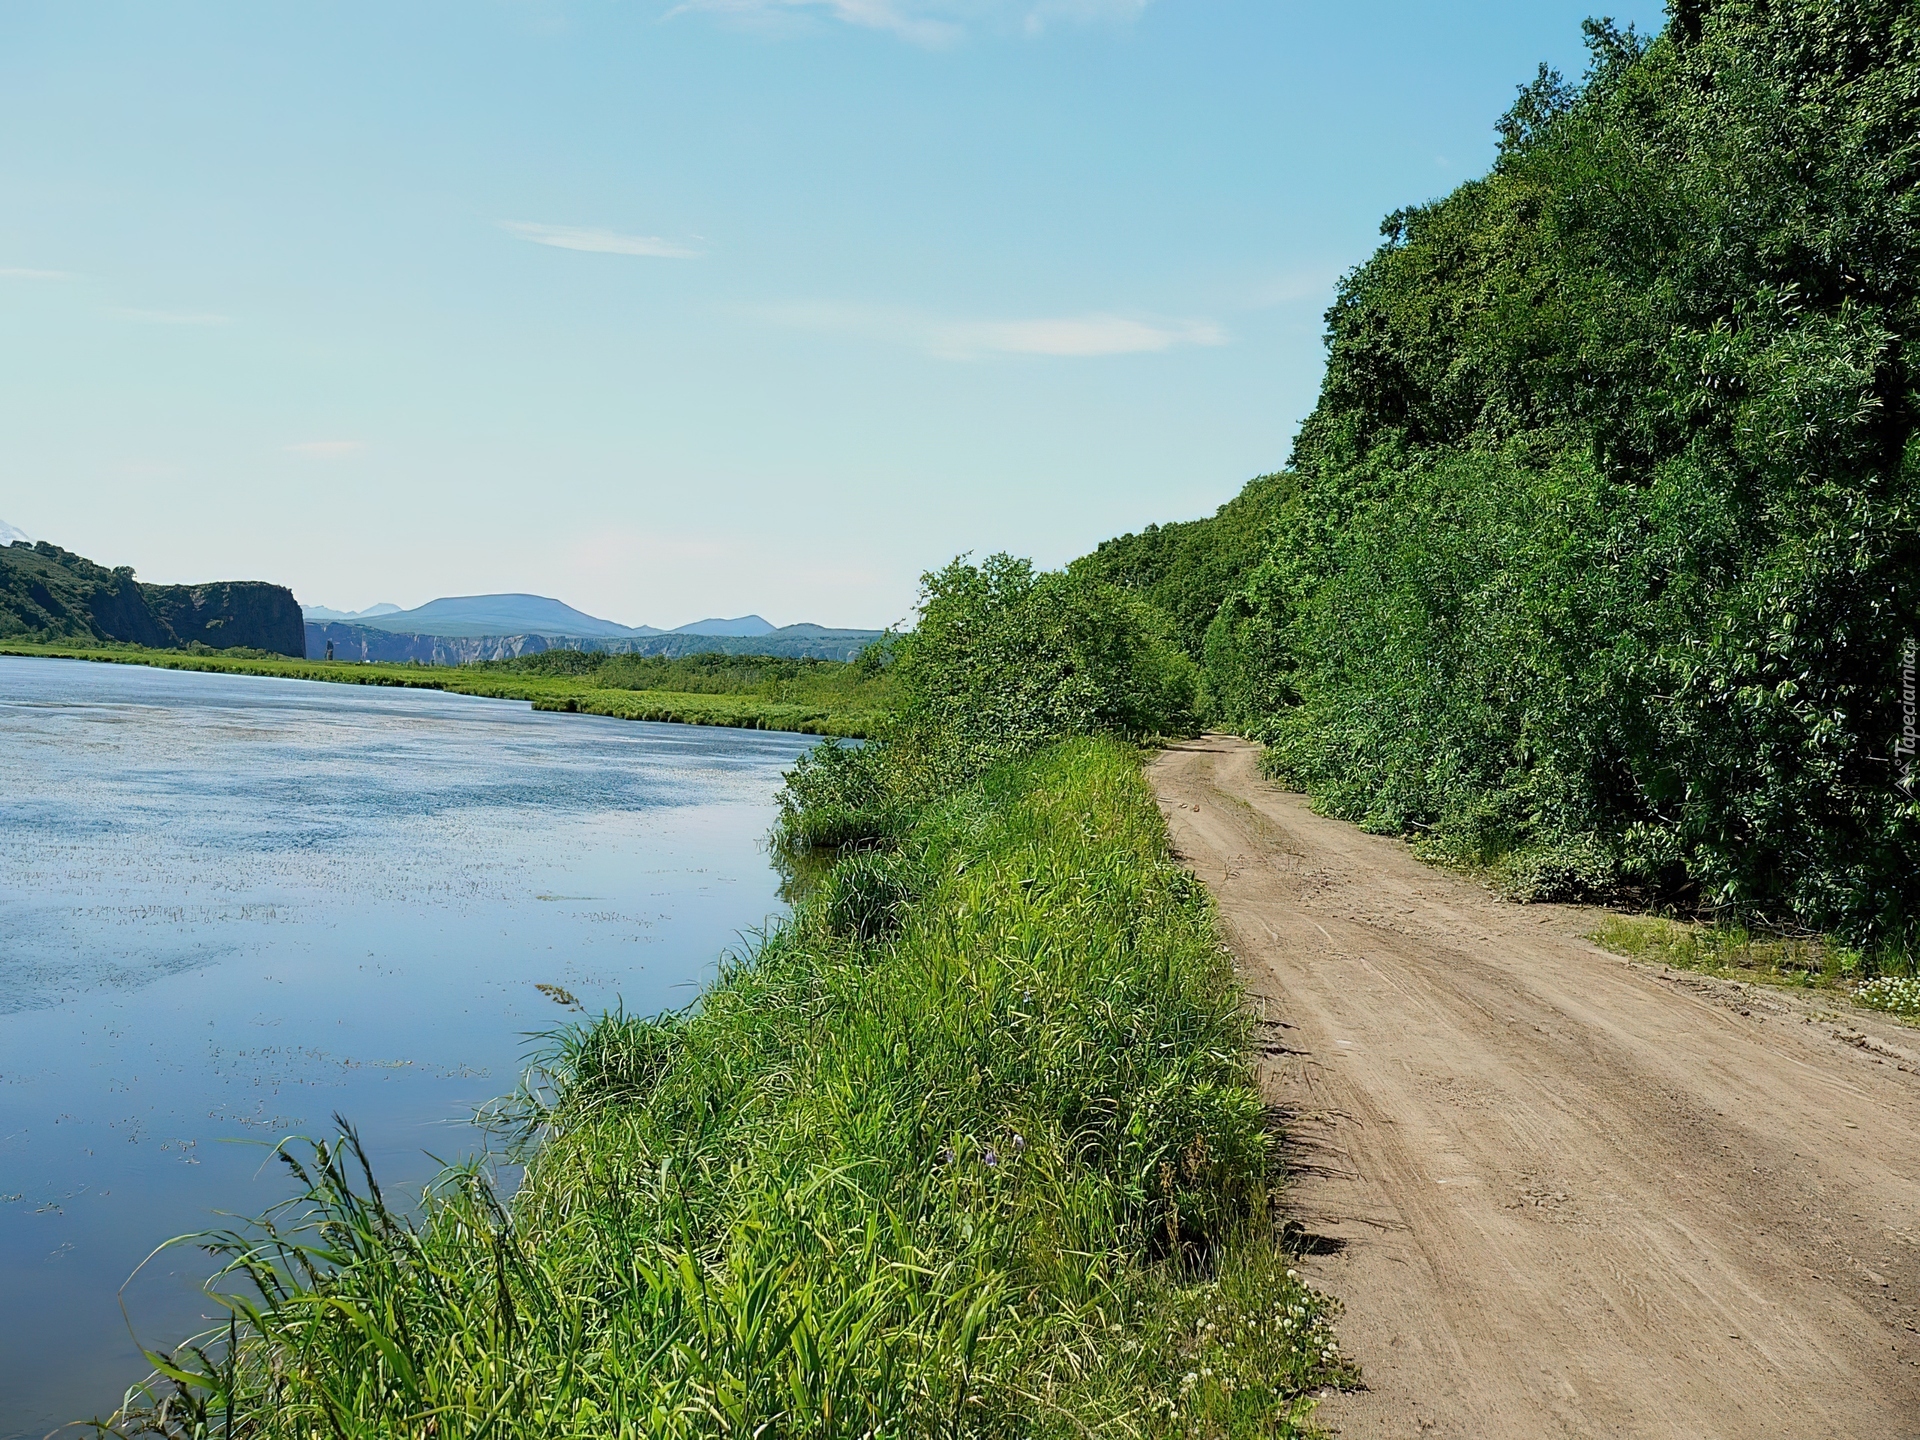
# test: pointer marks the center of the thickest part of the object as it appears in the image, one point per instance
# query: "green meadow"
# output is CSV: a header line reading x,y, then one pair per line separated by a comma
x,y
813,697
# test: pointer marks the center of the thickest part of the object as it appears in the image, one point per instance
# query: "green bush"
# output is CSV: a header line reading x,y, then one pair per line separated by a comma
x,y
1004,660
1186,569
838,795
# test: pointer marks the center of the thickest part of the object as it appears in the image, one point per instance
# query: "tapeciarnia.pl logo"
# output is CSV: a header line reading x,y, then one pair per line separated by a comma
x,y
1909,741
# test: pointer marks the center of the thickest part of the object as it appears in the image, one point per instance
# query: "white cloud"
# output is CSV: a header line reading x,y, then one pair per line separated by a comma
x,y
21,272
1292,287
1077,336
1072,336
600,242
1081,12
922,22
169,317
327,449
904,18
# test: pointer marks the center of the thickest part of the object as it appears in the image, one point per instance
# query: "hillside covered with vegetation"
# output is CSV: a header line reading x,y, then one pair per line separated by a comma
x,y
1186,569
1599,560
50,594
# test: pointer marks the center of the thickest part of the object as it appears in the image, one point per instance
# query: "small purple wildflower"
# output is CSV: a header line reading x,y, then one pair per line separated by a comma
x,y
946,1156
1019,1143
991,1156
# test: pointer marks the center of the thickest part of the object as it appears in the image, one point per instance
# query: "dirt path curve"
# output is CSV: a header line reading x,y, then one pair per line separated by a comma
x,y
1562,1194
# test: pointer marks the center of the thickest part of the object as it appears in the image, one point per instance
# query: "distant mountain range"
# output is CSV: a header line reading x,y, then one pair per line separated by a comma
x,y
744,626
474,616
47,593
322,612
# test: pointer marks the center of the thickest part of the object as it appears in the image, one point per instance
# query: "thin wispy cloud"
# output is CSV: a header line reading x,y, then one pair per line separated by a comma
x,y
907,20
597,241
326,449
1081,12
21,272
169,317
1291,287
1073,336
931,23
1066,337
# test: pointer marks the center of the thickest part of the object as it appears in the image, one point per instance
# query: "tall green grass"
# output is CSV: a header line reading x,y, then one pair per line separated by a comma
x,y
968,1147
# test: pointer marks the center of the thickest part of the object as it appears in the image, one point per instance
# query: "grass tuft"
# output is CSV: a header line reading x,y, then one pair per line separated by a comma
x,y
1879,977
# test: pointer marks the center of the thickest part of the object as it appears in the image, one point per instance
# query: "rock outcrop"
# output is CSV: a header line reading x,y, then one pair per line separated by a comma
x,y
47,593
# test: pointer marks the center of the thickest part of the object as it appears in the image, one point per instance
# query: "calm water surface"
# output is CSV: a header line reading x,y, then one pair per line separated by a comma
x,y
231,907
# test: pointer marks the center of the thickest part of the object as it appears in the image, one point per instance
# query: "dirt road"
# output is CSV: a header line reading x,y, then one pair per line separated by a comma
x,y
1562,1194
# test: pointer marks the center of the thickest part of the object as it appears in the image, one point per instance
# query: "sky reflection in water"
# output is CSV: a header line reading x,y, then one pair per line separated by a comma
x,y
231,907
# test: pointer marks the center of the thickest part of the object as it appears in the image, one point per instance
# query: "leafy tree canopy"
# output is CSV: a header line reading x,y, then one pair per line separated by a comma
x,y
1597,558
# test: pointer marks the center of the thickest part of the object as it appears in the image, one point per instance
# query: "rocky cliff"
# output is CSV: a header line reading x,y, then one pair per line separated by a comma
x,y
47,593
226,613
364,642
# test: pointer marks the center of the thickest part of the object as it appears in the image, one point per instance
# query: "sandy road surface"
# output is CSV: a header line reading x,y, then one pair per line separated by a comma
x,y
1559,1193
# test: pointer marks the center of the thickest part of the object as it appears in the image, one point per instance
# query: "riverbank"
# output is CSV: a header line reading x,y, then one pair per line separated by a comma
x,y
852,715
968,1146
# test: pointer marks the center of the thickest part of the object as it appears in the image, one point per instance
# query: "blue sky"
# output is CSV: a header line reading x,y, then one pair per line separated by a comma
x,y
673,310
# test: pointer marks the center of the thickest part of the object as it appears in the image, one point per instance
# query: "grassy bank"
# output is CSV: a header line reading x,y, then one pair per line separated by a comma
x,y
1879,980
967,1147
813,697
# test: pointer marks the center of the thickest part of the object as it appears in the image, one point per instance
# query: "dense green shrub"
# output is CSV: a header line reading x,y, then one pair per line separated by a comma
x,y
838,794
1003,661
1606,542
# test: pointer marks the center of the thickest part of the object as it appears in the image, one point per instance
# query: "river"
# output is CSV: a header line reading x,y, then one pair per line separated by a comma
x,y
232,907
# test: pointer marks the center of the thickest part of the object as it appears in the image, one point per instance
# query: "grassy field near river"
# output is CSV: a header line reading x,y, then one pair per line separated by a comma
x,y
811,697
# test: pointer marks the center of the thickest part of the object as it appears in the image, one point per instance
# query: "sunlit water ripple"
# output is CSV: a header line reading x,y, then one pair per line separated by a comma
x,y
231,907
